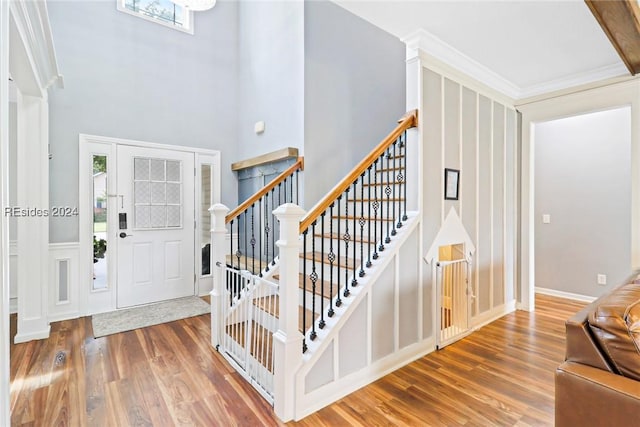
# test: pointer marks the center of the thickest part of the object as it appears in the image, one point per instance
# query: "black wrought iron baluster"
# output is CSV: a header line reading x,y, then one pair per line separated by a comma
x,y
368,215
332,258
393,198
237,283
297,187
354,281
387,191
346,239
290,178
260,227
304,289
253,242
273,223
362,223
314,279
381,201
229,276
339,299
279,204
280,194
404,171
245,247
322,323
375,205
266,230
285,189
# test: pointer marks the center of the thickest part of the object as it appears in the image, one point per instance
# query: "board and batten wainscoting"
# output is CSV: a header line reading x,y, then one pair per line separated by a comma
x,y
468,126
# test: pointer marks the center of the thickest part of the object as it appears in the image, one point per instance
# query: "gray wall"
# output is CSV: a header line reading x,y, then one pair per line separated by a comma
x,y
129,78
271,76
465,130
354,90
583,180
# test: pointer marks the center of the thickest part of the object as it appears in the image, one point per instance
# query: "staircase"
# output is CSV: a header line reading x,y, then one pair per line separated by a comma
x,y
337,252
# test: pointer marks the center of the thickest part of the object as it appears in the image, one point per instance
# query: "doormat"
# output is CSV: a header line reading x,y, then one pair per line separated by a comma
x,y
129,319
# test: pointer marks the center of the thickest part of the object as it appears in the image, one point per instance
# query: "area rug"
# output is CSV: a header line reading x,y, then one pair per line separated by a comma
x,y
129,319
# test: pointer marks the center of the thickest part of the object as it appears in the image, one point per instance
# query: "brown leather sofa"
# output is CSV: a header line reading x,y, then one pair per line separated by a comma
x,y
599,382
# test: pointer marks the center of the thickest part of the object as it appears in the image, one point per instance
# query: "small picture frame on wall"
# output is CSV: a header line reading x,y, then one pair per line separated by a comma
x,y
451,183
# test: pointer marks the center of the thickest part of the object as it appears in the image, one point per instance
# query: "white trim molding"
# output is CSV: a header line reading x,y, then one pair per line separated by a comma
x,y
442,51
614,95
446,53
31,20
103,300
13,276
63,281
32,223
5,407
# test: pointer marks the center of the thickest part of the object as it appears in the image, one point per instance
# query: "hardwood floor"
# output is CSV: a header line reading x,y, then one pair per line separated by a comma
x,y
169,375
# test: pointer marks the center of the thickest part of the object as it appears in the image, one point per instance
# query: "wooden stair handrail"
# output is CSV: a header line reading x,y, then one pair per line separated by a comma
x,y
299,164
409,120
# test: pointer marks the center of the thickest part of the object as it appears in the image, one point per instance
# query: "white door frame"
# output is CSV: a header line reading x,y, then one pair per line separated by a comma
x,y
5,412
614,95
105,300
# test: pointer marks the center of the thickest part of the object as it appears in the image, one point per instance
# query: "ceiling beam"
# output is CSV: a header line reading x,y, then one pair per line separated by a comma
x,y
620,20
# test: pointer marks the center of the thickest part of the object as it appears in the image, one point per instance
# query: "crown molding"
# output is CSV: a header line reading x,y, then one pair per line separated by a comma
x,y
427,42
575,80
32,26
433,46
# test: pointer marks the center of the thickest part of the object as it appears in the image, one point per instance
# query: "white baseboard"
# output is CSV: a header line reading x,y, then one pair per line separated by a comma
x,y
567,295
35,335
492,315
13,305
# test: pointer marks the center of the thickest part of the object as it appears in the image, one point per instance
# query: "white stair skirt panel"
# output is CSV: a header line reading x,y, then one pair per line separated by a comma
x,y
377,330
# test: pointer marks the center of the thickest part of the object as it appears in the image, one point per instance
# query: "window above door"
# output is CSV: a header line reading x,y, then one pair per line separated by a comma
x,y
163,12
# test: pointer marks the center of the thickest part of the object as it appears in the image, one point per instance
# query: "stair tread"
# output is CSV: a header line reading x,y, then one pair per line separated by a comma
x,y
366,218
273,309
391,199
246,263
343,262
337,236
377,184
319,287
384,170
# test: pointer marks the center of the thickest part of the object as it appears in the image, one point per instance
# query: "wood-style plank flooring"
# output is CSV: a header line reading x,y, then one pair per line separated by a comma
x,y
169,375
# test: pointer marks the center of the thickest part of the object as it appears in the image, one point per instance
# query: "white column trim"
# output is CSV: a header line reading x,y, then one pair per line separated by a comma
x,y
5,410
33,228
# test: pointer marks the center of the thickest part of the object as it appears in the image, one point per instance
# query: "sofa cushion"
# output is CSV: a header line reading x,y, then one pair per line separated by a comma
x,y
615,323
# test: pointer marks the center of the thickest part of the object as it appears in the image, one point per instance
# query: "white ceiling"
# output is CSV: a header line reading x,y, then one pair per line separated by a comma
x,y
522,48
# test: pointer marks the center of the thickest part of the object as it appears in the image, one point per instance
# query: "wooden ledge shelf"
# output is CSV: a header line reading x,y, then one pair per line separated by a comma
x,y
274,156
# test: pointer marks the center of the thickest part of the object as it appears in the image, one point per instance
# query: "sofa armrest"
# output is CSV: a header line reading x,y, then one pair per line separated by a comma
x,y
594,397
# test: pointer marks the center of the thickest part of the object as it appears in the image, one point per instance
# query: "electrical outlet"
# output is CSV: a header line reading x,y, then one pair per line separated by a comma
x,y
602,279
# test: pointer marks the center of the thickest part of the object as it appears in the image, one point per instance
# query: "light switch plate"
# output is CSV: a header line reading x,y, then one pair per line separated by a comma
x,y
259,127
602,279
546,219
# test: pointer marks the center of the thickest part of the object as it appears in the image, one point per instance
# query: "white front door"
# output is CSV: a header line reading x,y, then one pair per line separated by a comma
x,y
155,236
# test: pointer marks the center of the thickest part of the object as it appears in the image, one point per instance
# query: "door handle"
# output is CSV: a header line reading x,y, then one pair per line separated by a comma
x,y
123,235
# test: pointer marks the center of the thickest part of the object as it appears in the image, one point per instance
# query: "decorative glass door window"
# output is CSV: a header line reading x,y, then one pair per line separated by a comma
x,y
157,195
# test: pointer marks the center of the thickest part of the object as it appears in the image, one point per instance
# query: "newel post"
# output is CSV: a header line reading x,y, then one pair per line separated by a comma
x,y
217,255
287,341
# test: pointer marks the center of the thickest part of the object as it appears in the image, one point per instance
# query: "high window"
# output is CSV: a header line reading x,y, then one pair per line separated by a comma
x,y
163,12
